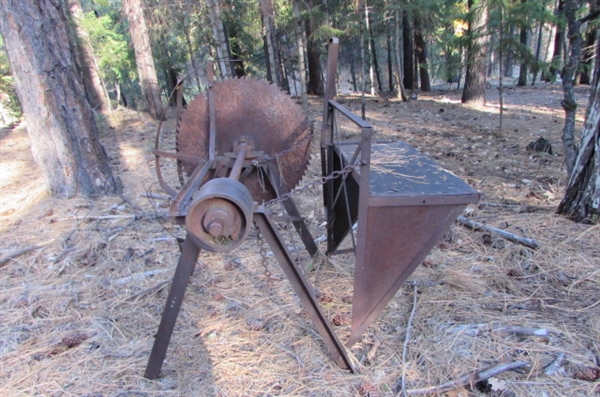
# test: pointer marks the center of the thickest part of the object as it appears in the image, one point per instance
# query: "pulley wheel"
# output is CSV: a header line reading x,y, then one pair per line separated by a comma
x,y
220,215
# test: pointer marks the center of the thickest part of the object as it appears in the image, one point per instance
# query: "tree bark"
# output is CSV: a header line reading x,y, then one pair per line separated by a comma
x,y
591,39
373,50
60,121
421,49
474,88
523,38
538,50
96,92
143,57
559,38
273,70
401,92
407,50
390,60
568,80
218,31
582,197
313,54
300,49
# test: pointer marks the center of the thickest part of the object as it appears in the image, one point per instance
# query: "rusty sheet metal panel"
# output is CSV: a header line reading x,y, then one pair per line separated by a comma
x,y
411,202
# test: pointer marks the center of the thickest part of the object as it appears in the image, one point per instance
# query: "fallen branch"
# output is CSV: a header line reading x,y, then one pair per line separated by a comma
x,y
141,215
406,340
469,380
520,208
139,276
155,196
147,291
515,238
17,253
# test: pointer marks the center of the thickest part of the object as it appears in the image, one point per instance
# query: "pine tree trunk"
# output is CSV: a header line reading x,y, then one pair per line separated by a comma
x,y
390,61
143,57
568,78
591,39
300,49
474,88
582,197
273,70
407,47
352,57
373,49
559,38
421,49
398,55
523,39
60,122
96,92
218,31
538,50
315,84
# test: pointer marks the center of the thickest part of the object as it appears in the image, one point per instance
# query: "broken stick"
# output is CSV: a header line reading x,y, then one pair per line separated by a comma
x,y
515,238
470,379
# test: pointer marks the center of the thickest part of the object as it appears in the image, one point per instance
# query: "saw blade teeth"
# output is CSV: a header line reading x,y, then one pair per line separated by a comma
x,y
256,108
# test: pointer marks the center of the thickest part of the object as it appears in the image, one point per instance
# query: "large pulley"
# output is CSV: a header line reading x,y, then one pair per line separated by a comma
x,y
220,216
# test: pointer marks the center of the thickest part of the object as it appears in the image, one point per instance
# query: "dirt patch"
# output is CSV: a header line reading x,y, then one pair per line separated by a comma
x,y
80,305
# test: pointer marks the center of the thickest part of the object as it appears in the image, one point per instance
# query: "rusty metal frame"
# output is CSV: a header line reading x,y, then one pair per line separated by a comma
x,y
382,264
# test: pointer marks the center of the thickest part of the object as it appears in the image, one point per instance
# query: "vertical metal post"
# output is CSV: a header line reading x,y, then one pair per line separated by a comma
x,y
327,125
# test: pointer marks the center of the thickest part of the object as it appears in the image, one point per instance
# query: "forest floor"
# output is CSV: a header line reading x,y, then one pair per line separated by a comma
x,y
83,282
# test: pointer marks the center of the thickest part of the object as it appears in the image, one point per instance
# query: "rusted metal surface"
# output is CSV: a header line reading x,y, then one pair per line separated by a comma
x,y
241,128
401,201
251,108
220,216
185,269
398,201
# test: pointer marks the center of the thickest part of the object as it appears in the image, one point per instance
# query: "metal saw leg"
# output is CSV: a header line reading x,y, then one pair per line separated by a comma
x,y
185,269
303,290
290,207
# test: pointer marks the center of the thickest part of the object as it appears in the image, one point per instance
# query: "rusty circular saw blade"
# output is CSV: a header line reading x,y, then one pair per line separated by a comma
x,y
254,109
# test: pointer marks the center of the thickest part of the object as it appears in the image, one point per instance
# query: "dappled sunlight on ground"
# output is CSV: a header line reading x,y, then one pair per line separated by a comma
x,y
21,183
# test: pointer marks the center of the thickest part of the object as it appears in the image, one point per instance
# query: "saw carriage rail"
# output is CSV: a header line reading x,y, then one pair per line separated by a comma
x,y
244,142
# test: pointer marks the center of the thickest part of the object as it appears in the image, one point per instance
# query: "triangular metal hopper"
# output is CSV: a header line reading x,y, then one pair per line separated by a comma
x,y
411,202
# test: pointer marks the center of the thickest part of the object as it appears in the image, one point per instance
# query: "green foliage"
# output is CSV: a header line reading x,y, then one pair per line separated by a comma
x,y
10,107
242,22
113,54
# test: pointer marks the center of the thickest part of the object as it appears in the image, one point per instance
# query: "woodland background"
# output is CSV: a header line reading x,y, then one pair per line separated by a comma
x,y
473,84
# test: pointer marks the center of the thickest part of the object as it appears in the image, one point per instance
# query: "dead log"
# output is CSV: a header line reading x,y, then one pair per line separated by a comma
x,y
515,238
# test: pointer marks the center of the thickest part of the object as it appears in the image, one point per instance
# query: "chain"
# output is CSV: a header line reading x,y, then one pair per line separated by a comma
x,y
263,255
317,182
